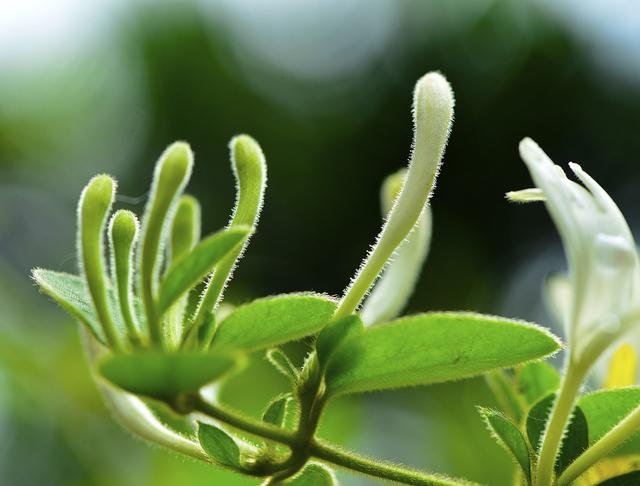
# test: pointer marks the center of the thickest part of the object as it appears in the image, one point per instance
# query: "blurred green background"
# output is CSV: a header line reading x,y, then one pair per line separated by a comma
x,y
325,86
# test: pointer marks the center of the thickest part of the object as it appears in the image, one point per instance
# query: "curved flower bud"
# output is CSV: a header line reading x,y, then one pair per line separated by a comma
x,y
603,265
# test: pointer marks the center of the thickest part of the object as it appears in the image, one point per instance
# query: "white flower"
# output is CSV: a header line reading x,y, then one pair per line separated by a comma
x,y
604,274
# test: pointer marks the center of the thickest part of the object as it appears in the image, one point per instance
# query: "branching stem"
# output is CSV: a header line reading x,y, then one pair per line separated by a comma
x,y
319,449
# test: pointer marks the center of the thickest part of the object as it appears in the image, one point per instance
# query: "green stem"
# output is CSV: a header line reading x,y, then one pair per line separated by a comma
x,y
381,470
246,424
616,436
557,423
323,450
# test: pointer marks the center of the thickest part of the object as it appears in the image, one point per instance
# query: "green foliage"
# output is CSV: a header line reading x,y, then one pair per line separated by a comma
x,y
164,376
536,380
70,291
161,334
192,267
271,321
336,332
605,408
276,411
508,436
283,364
432,348
220,447
576,438
628,479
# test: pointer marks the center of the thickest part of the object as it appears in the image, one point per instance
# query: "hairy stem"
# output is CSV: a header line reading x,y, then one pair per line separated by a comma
x,y
322,450
558,422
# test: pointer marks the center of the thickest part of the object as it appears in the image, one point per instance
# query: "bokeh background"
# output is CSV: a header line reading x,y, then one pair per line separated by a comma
x,y
325,86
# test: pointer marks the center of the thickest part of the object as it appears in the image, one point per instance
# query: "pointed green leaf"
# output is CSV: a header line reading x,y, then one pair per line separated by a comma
x,y
274,320
70,292
164,376
536,380
276,411
503,387
575,442
191,268
313,475
432,348
605,408
628,479
219,446
576,438
537,420
283,364
508,436
336,332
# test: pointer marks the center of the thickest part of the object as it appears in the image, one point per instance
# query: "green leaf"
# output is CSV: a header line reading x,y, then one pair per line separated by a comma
x,y
575,442
313,475
191,268
432,348
164,376
219,446
503,387
277,410
508,436
536,380
629,479
334,333
274,320
576,439
70,292
283,364
604,409
537,420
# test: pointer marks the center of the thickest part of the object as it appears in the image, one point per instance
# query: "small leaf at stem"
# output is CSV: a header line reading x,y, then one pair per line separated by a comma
x,y
313,475
192,267
432,348
334,333
276,411
271,321
537,418
509,437
536,380
283,364
219,446
164,376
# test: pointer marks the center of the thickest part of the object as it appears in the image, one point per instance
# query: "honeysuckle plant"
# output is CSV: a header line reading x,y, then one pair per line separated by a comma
x,y
555,434
161,340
